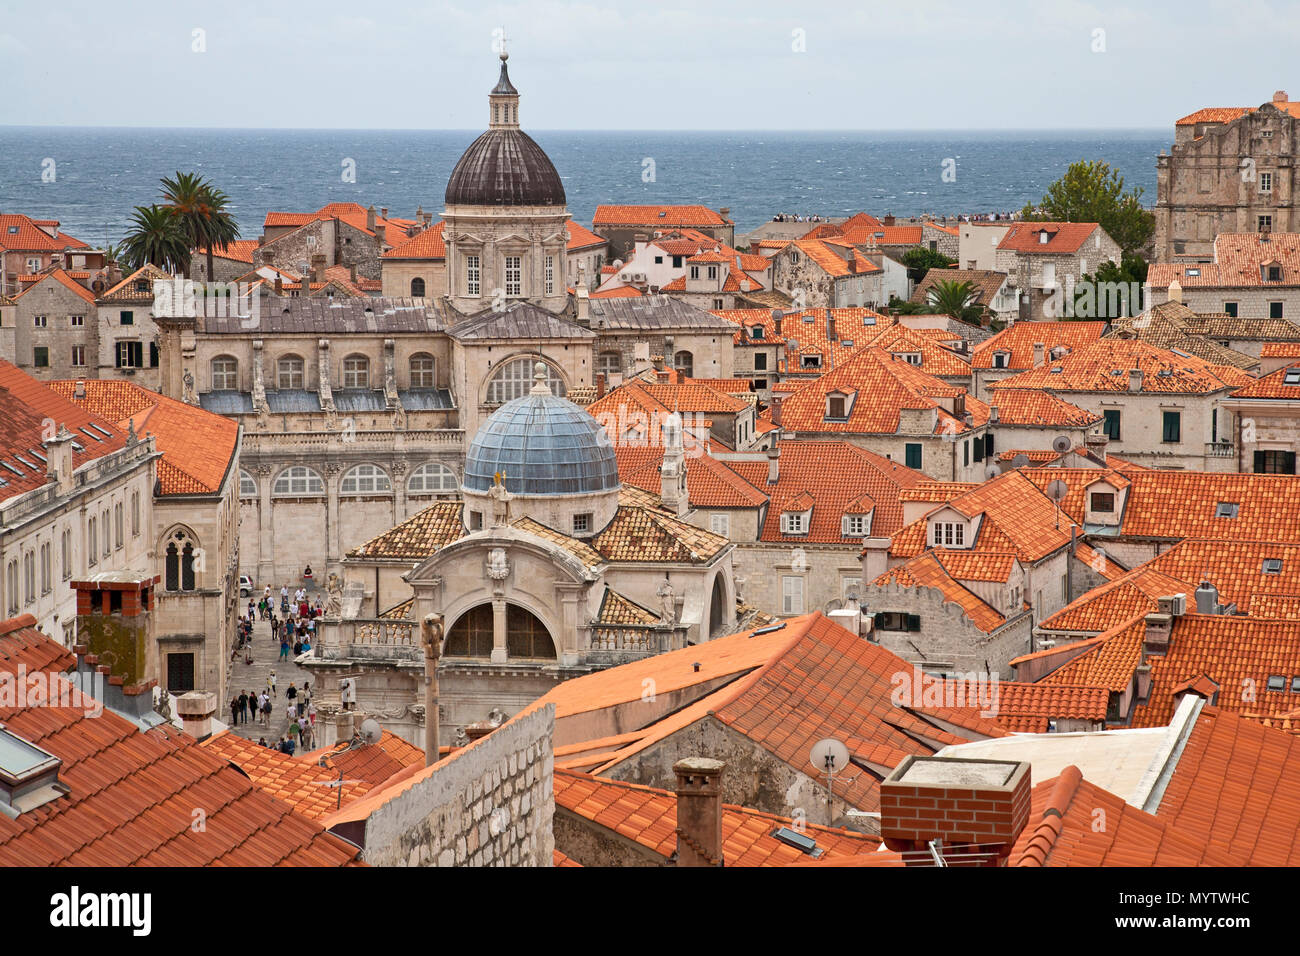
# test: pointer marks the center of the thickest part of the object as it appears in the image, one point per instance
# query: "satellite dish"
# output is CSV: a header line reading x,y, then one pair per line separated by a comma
x,y
1061,444
1057,490
1019,461
829,755
992,471
371,732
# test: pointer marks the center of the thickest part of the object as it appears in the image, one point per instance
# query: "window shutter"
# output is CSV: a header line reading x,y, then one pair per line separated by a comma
x,y
913,622
844,525
785,523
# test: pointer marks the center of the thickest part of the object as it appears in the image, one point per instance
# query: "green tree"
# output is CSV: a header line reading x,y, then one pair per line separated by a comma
x,y
155,237
956,299
922,260
1114,292
903,307
200,211
1091,191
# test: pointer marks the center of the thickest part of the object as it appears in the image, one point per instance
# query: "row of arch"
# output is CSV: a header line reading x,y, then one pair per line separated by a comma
x,y
291,372
301,481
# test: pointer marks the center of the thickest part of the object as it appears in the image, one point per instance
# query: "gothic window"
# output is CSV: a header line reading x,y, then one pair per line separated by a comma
x,y
684,362
178,563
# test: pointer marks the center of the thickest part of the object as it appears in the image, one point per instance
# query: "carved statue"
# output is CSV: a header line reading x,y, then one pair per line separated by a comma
x,y
431,636
500,500
188,380
462,738
164,705
668,604
334,604
498,568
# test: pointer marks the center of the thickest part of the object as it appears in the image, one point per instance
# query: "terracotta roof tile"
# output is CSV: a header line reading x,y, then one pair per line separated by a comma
x,y
23,234
662,216
1063,237
419,536
1019,340
1104,366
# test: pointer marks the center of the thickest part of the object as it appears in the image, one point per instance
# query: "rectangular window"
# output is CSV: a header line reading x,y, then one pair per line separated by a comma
x,y
791,594
1103,501
135,514
1266,182
65,547
471,275
965,454
582,523
1230,308
39,321
912,455
979,448
835,406
1275,310
720,524
855,526
180,672
92,535
126,317
514,275
108,549
550,275
948,534
77,320
129,354
695,272
78,355
119,526
41,356
1265,224
677,262
1274,463
33,265
1173,427
1110,424
760,361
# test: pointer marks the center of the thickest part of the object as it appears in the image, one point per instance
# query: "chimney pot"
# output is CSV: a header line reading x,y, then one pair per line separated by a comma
x,y
773,464
1135,380
1207,599
699,811
1039,350
195,709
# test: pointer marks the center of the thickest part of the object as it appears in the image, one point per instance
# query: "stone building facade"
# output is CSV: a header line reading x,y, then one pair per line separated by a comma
x,y
1229,170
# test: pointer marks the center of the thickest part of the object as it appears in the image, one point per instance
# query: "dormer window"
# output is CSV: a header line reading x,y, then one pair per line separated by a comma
x,y
836,408
948,534
1272,566
795,522
856,526
1044,237
1102,501
1226,509
1273,273
756,332
911,358
1000,359
1058,352
813,360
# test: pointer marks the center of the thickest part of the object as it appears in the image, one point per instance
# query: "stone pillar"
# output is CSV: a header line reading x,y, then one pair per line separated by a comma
x,y
332,547
499,653
398,469
266,569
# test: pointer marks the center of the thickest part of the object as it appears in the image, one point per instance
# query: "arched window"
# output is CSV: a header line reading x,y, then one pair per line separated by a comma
x,y
609,363
417,288
178,562
366,480
247,485
526,636
432,478
289,372
515,378
421,370
297,481
684,362
225,374
356,372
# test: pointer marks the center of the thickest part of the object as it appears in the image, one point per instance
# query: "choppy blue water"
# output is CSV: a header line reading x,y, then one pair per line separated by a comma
x,y
99,174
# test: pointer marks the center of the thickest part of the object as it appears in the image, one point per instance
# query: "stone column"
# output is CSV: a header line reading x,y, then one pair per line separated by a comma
x,y
499,653
398,469
332,553
266,569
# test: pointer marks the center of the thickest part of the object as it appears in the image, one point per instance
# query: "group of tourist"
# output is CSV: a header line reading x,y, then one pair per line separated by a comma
x,y
790,217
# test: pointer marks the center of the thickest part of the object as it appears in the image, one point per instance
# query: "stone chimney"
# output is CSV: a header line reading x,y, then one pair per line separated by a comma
x,y
383,212
1096,444
993,413
1142,673
725,211
1175,291
830,326
699,811
582,304
195,709
875,558
968,806
279,284
317,268
1159,629
370,219
352,272
58,456
774,464
1135,380
1039,350
776,323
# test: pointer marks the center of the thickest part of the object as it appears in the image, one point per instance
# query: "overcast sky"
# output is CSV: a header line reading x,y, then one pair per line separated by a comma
x,y
653,64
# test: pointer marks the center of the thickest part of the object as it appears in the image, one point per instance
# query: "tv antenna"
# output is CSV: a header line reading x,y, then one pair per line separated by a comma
x,y
1057,490
337,784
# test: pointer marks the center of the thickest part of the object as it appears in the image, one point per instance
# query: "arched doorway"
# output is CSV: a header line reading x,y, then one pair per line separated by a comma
x,y
718,616
526,636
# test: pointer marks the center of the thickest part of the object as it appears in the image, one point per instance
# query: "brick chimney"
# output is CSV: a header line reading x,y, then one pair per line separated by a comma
x,y
888,221
195,709
776,410
600,385
699,811
279,284
968,806
114,620
1280,96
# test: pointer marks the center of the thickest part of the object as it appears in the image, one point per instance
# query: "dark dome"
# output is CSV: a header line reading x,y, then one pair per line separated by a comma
x,y
505,167
546,446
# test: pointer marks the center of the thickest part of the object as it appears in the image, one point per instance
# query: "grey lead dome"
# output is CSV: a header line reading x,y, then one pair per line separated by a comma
x,y
505,167
546,446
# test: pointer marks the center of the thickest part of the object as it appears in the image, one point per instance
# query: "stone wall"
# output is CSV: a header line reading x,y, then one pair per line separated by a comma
x,y
489,804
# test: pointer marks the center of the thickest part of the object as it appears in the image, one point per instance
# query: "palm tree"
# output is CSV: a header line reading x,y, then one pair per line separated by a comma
x,y
956,299
200,209
155,238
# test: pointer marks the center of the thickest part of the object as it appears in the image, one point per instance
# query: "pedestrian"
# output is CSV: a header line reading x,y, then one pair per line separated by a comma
x,y
284,649
234,710
261,741
252,705
311,714
288,746
266,709
243,708
270,683
292,692
248,653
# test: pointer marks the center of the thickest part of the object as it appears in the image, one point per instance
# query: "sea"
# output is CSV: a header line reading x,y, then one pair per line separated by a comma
x,y
91,178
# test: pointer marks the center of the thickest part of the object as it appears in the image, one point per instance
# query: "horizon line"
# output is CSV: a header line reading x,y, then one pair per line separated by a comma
x,y
541,129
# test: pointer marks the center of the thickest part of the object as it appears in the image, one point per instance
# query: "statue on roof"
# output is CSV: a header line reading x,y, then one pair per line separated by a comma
x,y
668,604
500,500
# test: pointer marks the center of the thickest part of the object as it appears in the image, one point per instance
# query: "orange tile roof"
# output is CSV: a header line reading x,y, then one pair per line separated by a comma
x,y
25,406
1060,701
936,360
926,571
644,534
1226,114
241,250
622,292
1274,386
580,237
1031,406
710,483
353,214
199,448
21,233
663,216
1108,662
1063,831
1019,340
1104,367
806,332
1063,237
64,279
833,263
426,244
695,398
419,536
1237,786
1119,600
1280,350
132,794
803,468
559,859
648,816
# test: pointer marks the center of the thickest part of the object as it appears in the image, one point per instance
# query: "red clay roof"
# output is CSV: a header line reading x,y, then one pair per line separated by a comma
x,y
1063,237
21,233
133,796
1019,339
241,250
64,279
661,216
427,244
1104,366
199,448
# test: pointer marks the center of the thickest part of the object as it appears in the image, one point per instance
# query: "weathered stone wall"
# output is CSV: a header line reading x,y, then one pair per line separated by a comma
x,y
490,804
590,844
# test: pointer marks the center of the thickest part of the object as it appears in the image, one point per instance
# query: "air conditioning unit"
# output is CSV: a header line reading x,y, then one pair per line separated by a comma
x,y
638,277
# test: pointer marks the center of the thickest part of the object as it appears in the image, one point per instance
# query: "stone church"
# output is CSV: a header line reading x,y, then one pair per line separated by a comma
x,y
357,411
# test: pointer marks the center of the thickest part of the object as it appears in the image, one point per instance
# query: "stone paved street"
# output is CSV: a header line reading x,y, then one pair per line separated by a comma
x,y
252,677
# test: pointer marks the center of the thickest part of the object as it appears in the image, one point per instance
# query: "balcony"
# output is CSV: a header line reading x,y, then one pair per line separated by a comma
x,y
1220,449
